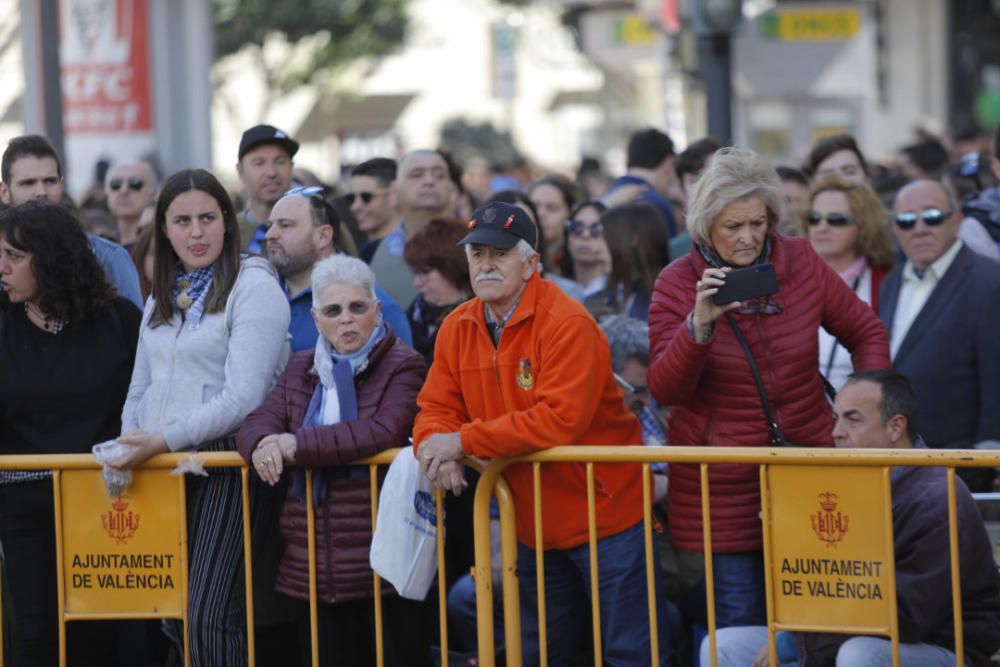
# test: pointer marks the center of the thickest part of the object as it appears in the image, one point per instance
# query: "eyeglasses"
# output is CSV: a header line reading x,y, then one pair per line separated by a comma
x,y
833,219
577,228
932,217
305,190
133,182
335,310
366,197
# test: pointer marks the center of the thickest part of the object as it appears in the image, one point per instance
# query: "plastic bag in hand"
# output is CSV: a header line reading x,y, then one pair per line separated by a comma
x,y
115,481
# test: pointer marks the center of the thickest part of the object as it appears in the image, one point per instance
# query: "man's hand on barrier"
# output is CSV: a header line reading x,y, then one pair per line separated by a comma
x,y
438,449
143,447
450,478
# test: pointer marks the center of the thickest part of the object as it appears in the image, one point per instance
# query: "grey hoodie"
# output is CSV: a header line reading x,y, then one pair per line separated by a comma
x,y
197,385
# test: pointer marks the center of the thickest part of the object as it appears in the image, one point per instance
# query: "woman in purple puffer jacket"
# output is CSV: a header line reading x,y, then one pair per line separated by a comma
x,y
352,397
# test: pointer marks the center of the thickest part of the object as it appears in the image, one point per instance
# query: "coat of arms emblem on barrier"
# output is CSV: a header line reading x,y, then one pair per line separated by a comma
x,y
829,524
119,522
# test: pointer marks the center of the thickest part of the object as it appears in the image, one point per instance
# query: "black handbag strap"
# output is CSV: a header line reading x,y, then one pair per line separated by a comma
x,y
773,430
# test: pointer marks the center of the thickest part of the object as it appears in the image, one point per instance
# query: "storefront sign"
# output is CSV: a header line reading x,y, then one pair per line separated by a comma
x,y
811,25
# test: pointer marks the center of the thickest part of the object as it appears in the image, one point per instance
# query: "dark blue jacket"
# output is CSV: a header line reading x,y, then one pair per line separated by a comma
x,y
651,196
951,353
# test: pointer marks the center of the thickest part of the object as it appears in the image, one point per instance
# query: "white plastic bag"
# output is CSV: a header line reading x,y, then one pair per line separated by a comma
x,y
404,546
115,481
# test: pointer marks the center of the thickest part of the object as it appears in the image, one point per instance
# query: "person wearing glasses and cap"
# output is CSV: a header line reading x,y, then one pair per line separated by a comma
x,y
940,308
131,187
520,368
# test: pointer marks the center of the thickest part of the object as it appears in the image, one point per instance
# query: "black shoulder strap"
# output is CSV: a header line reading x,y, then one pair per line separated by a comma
x,y
773,430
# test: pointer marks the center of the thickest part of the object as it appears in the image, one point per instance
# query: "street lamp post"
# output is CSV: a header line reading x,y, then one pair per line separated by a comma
x,y
715,21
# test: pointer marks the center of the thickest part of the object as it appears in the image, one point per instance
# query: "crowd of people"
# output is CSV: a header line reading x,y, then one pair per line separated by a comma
x,y
308,325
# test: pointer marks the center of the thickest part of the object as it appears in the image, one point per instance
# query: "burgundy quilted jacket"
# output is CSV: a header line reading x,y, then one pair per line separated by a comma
x,y
387,405
711,392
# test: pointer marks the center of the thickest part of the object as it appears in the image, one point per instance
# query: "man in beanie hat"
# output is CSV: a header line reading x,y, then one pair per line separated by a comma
x,y
523,367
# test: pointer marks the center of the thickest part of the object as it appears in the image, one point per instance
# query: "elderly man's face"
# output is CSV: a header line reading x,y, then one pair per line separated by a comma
x,y
636,374
923,243
857,417
130,189
498,275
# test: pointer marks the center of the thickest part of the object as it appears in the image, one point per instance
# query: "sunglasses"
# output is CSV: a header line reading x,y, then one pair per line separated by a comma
x,y
354,308
932,217
133,182
832,219
306,190
366,197
577,228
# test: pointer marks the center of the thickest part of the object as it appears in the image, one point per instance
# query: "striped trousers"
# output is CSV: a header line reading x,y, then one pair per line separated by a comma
x,y
216,584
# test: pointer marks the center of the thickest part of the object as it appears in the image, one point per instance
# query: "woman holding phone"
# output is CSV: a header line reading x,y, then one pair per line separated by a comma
x,y
744,373
213,340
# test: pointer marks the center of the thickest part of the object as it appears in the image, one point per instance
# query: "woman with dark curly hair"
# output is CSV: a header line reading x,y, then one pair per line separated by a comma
x,y
67,346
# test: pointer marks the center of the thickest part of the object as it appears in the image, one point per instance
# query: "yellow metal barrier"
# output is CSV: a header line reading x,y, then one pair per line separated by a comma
x,y
59,464
766,458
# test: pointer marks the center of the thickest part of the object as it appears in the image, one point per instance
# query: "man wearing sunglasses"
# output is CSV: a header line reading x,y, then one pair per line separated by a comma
x,y
370,202
130,187
31,170
941,310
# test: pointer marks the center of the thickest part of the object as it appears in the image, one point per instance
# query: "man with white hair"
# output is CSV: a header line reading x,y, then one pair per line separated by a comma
x,y
131,187
520,368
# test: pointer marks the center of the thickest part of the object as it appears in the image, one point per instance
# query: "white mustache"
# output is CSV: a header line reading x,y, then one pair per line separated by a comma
x,y
492,275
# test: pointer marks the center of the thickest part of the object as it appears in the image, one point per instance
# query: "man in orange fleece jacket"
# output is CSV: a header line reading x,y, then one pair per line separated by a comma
x,y
520,368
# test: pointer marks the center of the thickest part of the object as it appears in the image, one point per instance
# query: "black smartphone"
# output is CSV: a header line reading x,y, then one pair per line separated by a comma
x,y
747,283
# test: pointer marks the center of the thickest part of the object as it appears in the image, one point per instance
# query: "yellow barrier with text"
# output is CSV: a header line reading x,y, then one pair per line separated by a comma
x,y
828,533
123,554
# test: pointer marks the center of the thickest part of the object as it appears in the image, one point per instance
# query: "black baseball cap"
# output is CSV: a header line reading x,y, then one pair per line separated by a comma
x,y
500,225
266,134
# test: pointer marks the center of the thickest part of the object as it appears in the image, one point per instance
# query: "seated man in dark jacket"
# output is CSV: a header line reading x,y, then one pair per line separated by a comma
x,y
876,409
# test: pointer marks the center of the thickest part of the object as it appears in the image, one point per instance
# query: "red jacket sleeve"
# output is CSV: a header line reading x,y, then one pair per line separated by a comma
x,y
676,359
851,320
